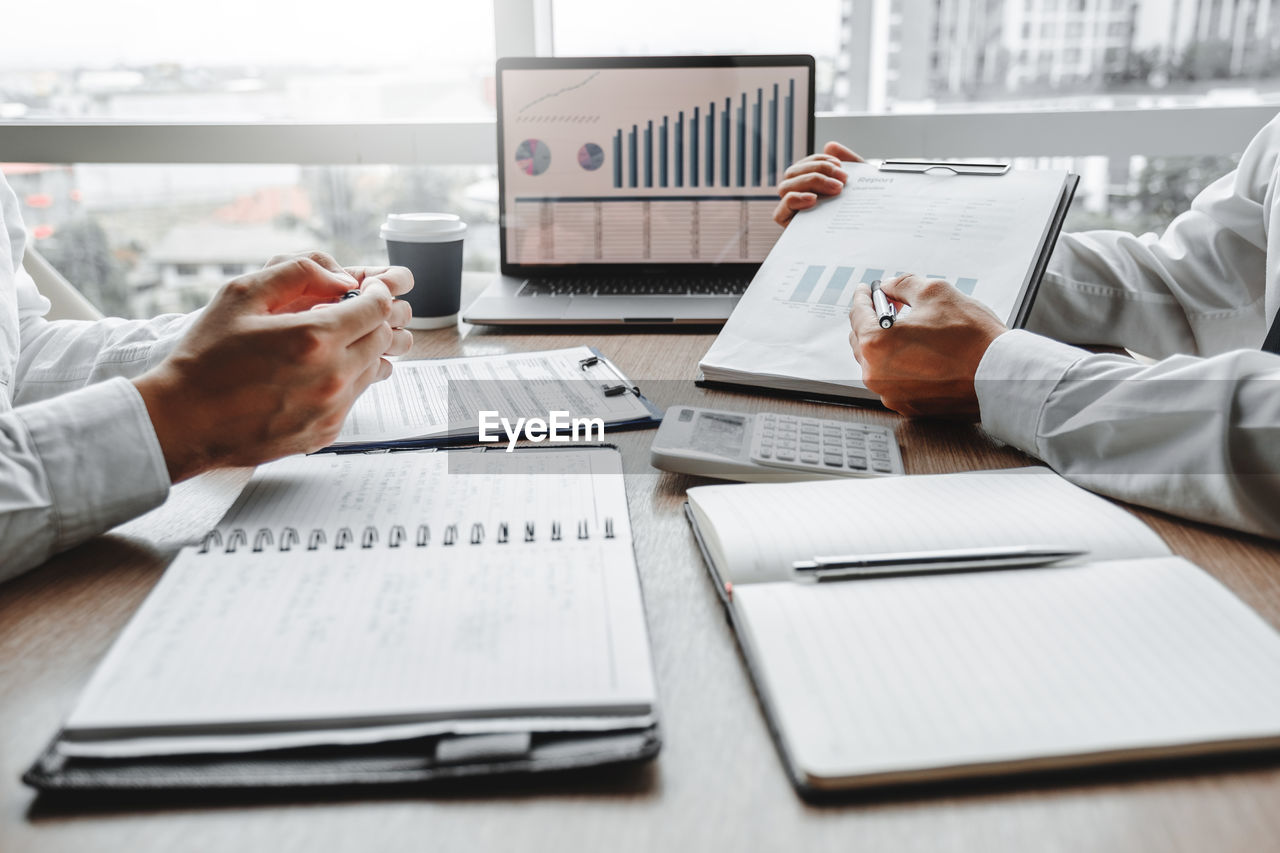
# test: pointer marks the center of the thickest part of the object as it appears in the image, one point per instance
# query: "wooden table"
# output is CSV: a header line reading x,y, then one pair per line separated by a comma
x,y
717,784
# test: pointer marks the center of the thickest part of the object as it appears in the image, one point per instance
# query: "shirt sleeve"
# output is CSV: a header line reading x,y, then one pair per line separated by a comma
x,y
1196,437
63,355
72,467
1197,288
78,453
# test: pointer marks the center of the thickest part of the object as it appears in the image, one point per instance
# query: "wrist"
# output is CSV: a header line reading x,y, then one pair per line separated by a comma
x,y
185,453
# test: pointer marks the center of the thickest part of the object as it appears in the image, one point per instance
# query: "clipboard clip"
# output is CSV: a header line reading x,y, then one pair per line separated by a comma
x,y
944,167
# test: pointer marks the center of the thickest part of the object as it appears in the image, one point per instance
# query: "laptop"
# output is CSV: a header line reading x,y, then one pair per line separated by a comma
x,y
640,189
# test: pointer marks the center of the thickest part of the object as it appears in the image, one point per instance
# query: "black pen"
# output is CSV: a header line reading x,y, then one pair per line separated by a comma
x,y
885,310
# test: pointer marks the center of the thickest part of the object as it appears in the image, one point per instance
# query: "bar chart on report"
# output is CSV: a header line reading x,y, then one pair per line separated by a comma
x,y
829,289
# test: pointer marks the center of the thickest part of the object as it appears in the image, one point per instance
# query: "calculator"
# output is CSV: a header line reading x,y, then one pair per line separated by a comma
x,y
771,448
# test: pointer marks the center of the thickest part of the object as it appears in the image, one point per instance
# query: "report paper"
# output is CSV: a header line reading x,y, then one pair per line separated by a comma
x,y
443,397
981,233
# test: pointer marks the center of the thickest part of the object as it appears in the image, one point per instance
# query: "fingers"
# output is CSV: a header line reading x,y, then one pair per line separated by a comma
x,y
399,280
324,259
816,165
835,149
401,314
401,342
352,319
289,282
369,348
790,204
813,182
375,372
912,289
862,316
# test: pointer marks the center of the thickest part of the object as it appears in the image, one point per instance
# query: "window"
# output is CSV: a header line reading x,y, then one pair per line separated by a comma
x,y
253,59
143,240
124,234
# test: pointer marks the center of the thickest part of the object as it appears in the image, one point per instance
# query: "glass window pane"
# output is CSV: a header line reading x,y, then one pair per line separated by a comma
x,y
322,60
144,240
938,55
659,27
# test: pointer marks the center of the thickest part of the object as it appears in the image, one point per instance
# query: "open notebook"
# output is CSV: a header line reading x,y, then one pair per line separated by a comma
x,y
1131,653
391,617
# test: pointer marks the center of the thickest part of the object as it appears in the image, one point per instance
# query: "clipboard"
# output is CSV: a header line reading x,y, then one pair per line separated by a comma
x,y
720,370
608,378
994,170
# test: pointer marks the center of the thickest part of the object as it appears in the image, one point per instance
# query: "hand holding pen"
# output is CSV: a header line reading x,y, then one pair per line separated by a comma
x,y
922,361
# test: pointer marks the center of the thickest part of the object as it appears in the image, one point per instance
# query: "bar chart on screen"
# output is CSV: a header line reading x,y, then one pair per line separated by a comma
x,y
623,165
828,289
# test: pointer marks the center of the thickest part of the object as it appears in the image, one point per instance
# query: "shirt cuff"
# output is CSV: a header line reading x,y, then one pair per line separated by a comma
x,y
1014,380
101,457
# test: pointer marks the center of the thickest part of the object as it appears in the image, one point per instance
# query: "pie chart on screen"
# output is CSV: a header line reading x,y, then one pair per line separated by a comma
x,y
533,156
591,156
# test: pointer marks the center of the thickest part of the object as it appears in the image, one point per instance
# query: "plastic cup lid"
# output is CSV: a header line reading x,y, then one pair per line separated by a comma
x,y
423,227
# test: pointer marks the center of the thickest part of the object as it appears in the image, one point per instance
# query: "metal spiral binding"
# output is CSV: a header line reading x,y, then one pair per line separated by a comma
x,y
237,538
264,539
213,536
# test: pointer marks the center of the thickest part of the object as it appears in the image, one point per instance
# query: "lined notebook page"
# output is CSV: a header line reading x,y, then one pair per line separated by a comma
x,y
391,636
328,492
906,674
394,634
763,528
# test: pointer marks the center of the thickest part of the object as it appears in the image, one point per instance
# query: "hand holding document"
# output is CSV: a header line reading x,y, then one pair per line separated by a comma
x,y
988,235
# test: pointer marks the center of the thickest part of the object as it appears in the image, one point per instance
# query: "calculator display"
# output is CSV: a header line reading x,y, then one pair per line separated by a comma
x,y
722,435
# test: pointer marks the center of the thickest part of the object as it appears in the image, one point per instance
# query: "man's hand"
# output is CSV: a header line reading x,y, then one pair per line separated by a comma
x,y
815,175
925,363
258,376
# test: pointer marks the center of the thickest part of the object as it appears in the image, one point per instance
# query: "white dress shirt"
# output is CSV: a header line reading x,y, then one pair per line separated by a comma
x,y
1197,433
78,454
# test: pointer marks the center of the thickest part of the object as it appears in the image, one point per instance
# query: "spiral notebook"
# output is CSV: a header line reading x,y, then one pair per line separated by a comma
x,y
396,617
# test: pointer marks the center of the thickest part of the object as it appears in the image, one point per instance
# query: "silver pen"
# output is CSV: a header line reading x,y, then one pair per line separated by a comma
x,y
893,564
885,310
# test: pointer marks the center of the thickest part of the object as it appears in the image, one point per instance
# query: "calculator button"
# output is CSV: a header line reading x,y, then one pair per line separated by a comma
x,y
859,462
810,446
809,458
833,461
786,455
882,467
765,452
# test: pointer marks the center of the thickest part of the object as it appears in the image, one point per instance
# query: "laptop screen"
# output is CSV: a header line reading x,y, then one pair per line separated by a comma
x,y
647,160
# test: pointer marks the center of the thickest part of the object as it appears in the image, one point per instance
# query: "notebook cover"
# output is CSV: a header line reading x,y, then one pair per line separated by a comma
x,y
397,763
